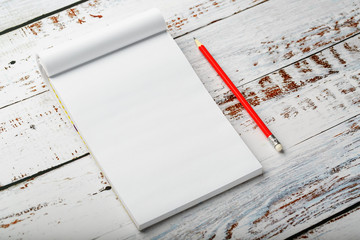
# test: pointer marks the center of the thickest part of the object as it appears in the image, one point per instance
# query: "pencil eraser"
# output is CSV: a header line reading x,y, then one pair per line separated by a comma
x,y
278,147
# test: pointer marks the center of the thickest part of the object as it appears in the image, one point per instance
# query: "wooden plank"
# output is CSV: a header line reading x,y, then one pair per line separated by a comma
x,y
33,135
13,13
46,209
182,17
345,226
310,182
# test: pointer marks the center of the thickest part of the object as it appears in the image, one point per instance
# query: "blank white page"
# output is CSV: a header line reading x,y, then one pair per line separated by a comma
x,y
161,140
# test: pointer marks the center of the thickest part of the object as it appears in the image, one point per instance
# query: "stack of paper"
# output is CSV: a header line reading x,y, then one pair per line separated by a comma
x,y
147,119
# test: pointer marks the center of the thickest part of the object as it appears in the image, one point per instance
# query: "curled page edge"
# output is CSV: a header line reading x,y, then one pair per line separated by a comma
x,y
98,43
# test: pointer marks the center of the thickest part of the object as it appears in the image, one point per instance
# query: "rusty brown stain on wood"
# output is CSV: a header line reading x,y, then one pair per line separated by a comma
x,y
321,62
272,92
21,175
25,186
81,21
263,80
289,84
212,237
234,110
228,97
194,12
326,187
289,112
251,97
308,104
304,42
72,12
55,108
176,23
351,48
353,128
337,55
289,55
26,211
94,3
301,40
303,66
96,16
342,216
346,91
229,231
12,223
56,22
24,78
35,27
269,89
265,215
54,19
304,50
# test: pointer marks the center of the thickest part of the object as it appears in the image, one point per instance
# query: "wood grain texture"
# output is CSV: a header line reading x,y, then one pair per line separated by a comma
x,y
345,226
89,211
20,77
297,190
33,135
318,92
13,13
252,44
251,58
182,16
312,105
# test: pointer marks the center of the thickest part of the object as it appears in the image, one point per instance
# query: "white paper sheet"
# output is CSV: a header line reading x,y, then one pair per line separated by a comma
x,y
147,119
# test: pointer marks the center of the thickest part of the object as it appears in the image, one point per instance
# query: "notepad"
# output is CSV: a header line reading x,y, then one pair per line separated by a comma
x,y
147,119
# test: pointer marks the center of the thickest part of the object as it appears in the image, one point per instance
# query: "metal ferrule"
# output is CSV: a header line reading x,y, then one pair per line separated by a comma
x,y
273,140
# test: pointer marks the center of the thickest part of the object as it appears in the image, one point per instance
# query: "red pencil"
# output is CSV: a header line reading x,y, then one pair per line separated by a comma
x,y
240,97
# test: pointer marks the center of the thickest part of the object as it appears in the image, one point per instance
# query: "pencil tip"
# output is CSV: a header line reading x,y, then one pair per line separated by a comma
x,y
198,43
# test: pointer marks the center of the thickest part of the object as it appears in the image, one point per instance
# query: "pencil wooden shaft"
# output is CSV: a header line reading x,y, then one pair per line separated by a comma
x,y
235,91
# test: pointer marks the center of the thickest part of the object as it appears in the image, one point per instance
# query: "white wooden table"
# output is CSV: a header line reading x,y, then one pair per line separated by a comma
x,y
296,61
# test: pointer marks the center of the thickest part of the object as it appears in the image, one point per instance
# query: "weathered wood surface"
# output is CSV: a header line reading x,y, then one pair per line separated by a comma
x,y
182,16
32,129
21,78
305,104
14,13
345,226
297,190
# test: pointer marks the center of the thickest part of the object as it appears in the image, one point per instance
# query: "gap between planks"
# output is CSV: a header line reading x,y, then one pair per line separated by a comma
x,y
299,60
348,209
19,101
218,20
41,173
42,17
33,20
